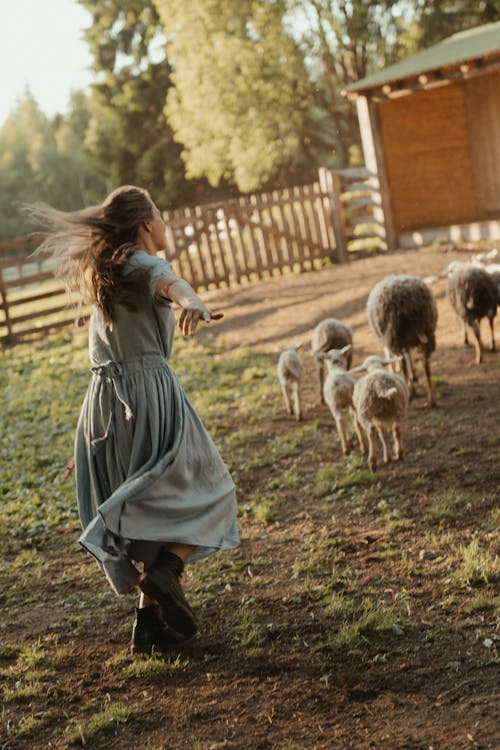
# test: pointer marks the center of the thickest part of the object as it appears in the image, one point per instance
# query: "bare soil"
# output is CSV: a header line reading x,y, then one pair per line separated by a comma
x,y
430,683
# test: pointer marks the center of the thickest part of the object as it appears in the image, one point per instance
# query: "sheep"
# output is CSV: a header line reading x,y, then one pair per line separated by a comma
x,y
289,371
485,261
473,294
337,391
381,401
402,313
330,333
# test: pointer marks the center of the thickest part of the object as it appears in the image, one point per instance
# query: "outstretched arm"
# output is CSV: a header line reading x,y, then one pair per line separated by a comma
x,y
193,309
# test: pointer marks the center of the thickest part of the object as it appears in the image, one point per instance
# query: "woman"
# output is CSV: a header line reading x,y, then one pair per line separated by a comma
x,y
152,490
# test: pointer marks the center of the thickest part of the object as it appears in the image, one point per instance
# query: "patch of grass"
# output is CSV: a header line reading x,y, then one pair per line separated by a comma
x,y
251,632
350,473
87,727
286,480
319,555
477,565
482,603
446,505
325,481
495,519
339,606
22,691
11,728
155,666
261,507
364,623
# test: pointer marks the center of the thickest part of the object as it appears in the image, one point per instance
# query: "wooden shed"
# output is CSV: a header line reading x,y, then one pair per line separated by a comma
x,y
430,128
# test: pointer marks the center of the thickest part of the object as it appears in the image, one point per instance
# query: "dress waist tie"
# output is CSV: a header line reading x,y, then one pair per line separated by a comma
x,y
112,372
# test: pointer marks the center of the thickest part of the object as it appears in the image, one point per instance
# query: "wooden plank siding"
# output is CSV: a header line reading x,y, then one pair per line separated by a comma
x,y
427,157
482,101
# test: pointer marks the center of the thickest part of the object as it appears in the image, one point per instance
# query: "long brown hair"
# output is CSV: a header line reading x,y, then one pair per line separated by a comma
x,y
92,246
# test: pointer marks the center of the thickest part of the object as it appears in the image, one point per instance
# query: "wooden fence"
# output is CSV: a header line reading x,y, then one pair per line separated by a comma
x,y
216,244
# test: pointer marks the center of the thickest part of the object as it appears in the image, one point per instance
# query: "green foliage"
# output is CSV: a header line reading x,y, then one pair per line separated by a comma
x,y
41,160
439,19
128,137
241,93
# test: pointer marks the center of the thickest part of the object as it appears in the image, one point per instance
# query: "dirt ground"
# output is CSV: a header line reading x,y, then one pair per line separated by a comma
x,y
274,680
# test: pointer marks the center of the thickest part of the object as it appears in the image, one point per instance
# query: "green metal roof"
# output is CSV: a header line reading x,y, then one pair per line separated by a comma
x,y
459,48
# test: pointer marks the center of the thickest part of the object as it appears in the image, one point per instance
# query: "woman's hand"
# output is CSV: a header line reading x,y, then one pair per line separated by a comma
x,y
192,314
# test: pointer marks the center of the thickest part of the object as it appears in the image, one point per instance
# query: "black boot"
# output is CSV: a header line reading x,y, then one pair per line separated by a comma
x,y
161,583
150,634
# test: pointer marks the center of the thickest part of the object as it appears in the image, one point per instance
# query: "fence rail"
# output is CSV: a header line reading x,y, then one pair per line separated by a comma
x,y
216,244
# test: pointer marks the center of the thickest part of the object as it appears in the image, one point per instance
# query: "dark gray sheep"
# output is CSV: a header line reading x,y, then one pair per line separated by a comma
x,y
473,294
402,313
329,334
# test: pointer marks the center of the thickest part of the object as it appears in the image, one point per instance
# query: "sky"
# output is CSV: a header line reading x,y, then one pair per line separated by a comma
x,y
42,48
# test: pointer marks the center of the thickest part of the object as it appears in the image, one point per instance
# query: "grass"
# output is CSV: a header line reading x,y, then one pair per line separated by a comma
x,y
477,565
309,582
448,504
363,623
348,474
88,726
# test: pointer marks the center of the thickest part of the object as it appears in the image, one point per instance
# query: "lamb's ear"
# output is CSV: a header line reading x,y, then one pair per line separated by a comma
x,y
346,348
300,345
359,368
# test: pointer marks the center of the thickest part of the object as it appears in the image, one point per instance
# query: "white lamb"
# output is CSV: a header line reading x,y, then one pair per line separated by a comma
x,y
381,402
289,371
337,393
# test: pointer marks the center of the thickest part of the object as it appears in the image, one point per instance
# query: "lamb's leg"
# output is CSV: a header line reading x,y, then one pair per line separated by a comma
x,y
359,431
408,371
398,441
427,370
492,329
372,447
341,429
320,377
296,401
413,369
288,406
385,450
479,344
466,337
388,355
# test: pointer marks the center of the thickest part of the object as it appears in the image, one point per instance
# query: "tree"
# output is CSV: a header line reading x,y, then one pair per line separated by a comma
x,y
127,136
438,19
39,161
258,83
242,97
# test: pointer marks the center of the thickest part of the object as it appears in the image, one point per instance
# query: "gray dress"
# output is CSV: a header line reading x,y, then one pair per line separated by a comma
x,y
147,472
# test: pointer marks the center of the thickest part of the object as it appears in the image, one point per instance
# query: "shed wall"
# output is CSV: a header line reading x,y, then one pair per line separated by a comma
x,y
427,156
482,100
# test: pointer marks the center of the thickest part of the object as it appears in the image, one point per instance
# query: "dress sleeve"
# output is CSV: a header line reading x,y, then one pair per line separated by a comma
x,y
157,268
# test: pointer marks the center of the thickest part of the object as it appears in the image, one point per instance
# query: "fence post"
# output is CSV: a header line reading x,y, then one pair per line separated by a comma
x,y
5,306
331,184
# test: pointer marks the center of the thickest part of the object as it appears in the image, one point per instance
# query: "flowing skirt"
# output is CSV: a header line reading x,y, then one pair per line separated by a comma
x,y
147,472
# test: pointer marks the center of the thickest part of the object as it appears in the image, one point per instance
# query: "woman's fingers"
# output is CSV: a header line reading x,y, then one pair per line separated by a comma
x,y
189,319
